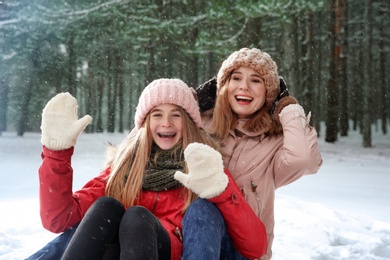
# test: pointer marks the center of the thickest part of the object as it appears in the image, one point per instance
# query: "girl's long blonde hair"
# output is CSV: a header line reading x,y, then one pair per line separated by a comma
x,y
132,156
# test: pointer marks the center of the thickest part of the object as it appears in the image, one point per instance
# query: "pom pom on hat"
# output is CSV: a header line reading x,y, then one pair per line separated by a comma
x,y
255,59
167,91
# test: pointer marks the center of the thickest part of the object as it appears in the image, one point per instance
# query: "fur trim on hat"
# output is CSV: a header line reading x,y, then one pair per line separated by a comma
x,y
255,59
167,91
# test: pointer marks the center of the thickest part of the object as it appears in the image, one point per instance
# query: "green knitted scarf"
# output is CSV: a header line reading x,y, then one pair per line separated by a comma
x,y
161,167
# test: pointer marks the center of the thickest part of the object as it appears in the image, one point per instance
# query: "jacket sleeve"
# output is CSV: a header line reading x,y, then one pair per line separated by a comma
x,y
60,208
244,227
300,154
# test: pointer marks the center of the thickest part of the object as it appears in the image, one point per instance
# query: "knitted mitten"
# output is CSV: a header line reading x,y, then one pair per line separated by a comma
x,y
281,104
298,111
60,126
206,176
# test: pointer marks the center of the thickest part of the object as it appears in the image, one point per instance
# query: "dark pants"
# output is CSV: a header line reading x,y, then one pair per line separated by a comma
x,y
108,231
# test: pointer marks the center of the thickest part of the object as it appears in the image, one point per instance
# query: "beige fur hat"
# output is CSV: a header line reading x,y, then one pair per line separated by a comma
x,y
259,61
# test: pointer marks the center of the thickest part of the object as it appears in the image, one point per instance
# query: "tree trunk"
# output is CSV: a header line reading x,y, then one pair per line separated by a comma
x,y
90,102
332,97
318,78
72,64
111,90
367,92
307,99
22,123
251,34
193,68
344,86
25,102
151,67
289,59
4,89
384,79
99,109
119,90
213,65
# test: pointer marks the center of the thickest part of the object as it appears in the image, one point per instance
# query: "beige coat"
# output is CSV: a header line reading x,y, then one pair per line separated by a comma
x,y
261,164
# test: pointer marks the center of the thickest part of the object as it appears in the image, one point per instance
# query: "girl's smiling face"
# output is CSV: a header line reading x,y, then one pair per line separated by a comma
x,y
246,92
166,125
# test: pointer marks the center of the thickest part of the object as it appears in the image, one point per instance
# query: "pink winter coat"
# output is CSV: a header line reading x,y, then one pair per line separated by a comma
x,y
261,164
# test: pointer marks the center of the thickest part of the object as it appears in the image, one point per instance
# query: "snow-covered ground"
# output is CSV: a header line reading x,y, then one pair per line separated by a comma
x,y
342,212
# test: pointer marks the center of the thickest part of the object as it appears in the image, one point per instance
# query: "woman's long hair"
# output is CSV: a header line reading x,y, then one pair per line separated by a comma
x,y
132,156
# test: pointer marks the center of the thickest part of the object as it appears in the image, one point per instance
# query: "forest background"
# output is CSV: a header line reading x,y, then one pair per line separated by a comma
x,y
333,54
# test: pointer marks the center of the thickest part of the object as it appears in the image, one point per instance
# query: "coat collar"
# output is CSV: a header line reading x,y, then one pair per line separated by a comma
x,y
239,130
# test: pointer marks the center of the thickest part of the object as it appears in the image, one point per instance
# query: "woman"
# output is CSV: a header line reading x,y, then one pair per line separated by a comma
x,y
267,143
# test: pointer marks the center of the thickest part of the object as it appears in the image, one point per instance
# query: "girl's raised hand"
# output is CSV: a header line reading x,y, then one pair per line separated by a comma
x,y
60,124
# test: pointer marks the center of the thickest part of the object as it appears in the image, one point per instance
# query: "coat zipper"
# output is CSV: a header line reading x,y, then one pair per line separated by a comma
x,y
178,234
259,202
155,203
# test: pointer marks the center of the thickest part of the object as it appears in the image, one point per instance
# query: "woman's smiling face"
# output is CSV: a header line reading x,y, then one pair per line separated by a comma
x,y
246,92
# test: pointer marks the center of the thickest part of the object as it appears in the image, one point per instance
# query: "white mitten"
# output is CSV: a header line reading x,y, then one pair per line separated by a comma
x,y
295,108
206,176
60,126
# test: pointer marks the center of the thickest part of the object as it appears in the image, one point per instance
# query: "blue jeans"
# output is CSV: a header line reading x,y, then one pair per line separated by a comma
x,y
55,248
205,235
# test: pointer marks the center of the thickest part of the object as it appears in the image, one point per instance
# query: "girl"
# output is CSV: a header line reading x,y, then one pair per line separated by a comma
x,y
267,143
134,208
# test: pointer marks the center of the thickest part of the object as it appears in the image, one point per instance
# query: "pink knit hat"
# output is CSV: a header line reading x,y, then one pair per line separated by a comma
x,y
167,91
255,59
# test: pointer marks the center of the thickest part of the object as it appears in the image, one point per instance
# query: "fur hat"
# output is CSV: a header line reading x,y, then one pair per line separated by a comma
x,y
255,59
167,91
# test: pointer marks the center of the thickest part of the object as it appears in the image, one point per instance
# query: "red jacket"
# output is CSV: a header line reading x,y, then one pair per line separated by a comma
x,y
61,209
